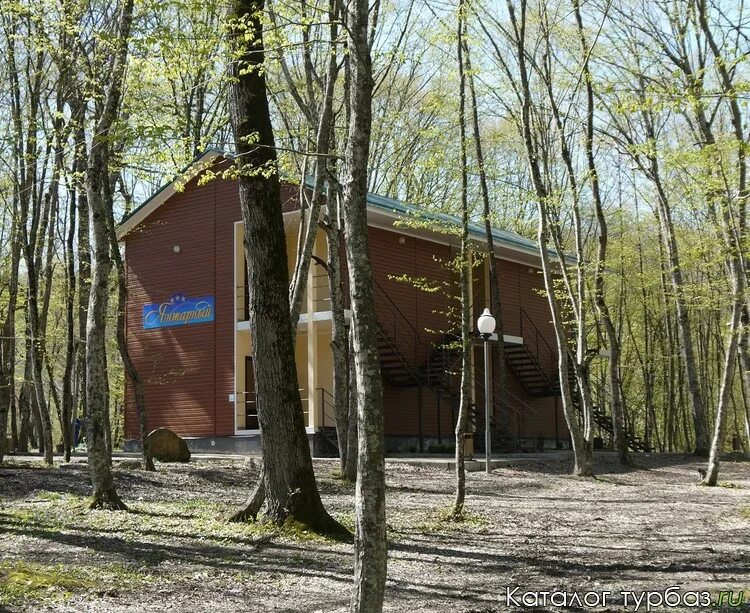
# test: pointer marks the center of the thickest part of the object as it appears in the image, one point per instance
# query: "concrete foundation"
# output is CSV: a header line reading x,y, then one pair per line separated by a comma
x,y
320,446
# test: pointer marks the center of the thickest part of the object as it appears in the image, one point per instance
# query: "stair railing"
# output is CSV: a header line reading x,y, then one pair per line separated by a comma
x,y
534,340
517,405
243,303
328,408
444,359
396,326
505,404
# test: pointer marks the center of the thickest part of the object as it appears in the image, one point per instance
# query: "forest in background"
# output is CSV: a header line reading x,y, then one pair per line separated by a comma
x,y
625,120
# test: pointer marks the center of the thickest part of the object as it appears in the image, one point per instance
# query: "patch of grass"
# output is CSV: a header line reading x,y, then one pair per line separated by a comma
x,y
745,512
25,581
47,495
730,486
32,465
29,517
335,483
346,520
444,520
185,522
22,581
59,497
292,529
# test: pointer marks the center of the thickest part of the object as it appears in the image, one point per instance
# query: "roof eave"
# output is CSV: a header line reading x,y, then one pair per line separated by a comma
x,y
138,215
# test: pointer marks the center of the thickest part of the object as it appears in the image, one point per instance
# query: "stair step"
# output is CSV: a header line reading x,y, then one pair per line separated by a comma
x,y
389,359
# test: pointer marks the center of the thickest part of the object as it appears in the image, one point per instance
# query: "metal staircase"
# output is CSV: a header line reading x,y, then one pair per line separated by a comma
x,y
401,352
533,361
329,416
604,422
394,365
601,418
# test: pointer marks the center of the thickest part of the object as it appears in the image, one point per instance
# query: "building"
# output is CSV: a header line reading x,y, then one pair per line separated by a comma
x,y
188,330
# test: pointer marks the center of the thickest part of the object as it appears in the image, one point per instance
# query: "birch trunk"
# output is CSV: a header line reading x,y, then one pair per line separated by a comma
x,y
582,448
464,273
495,302
618,415
99,205
370,547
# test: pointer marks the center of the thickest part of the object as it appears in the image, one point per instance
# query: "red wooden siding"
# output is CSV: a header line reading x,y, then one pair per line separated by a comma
x,y
176,364
188,372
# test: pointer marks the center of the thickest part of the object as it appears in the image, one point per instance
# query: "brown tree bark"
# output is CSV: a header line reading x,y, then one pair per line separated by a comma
x,y
84,279
8,342
290,487
131,372
72,340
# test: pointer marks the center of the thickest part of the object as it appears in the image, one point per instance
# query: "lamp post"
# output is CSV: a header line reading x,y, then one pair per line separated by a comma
x,y
486,327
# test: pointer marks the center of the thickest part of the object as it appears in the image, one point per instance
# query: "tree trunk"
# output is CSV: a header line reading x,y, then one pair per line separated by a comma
x,y
4,405
683,318
322,147
84,281
254,503
97,383
352,444
582,448
370,542
339,341
122,344
8,342
465,275
618,417
98,437
290,486
495,303
24,399
72,344
744,350
730,363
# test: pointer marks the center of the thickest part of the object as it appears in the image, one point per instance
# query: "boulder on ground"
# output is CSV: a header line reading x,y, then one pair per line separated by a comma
x,y
166,446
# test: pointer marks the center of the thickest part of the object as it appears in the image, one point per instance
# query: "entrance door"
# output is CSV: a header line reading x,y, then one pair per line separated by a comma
x,y
251,407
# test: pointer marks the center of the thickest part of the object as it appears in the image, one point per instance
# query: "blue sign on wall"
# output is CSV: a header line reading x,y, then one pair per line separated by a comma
x,y
179,310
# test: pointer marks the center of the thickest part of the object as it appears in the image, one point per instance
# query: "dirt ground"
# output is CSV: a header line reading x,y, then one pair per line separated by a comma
x,y
530,526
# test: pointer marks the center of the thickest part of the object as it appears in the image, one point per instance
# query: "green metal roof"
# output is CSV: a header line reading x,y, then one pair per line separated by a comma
x,y
477,230
391,205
